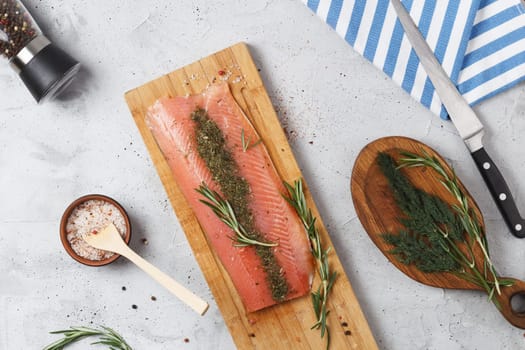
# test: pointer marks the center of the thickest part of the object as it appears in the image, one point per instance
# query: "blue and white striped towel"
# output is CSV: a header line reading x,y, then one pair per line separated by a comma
x,y
480,43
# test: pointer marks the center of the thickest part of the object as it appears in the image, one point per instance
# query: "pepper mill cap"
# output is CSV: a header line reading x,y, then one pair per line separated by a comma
x,y
44,68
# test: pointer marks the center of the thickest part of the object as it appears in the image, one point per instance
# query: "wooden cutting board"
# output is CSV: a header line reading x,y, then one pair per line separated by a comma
x,y
284,326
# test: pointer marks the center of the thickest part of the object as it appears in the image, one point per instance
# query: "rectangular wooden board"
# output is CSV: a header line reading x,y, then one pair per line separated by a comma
x,y
287,325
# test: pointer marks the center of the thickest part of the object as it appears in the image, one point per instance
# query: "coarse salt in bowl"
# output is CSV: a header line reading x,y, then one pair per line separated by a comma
x,y
90,214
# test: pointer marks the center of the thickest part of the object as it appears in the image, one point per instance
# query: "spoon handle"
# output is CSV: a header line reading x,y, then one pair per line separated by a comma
x,y
515,316
169,283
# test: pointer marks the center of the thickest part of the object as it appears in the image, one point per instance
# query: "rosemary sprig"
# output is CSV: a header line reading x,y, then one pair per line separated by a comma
x,y
297,199
107,336
222,208
434,229
246,142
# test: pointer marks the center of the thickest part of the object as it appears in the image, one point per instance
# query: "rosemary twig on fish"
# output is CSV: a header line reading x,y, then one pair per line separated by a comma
x,y
107,336
246,142
222,208
319,297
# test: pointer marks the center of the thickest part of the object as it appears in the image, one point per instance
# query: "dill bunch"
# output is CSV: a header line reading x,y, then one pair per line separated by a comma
x,y
434,230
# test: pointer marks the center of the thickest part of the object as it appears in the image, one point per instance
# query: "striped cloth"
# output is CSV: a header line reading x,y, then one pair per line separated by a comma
x,y
480,43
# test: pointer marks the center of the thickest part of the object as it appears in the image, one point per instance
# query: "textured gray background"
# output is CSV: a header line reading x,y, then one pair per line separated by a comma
x,y
332,103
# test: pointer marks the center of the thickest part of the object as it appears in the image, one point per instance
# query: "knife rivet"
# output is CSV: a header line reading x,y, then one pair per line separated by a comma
x,y
502,196
486,165
518,227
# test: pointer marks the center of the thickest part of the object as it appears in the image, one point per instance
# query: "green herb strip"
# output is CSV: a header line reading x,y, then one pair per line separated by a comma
x,y
211,146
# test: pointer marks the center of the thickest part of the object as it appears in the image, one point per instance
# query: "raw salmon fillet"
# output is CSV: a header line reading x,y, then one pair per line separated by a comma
x,y
171,124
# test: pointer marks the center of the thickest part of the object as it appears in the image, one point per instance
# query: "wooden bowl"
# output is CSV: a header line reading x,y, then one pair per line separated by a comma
x,y
67,214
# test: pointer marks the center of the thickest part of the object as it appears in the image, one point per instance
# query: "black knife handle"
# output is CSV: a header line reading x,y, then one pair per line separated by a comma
x,y
500,192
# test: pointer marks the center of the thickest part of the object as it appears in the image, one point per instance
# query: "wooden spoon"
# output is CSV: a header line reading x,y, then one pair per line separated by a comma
x,y
378,213
109,239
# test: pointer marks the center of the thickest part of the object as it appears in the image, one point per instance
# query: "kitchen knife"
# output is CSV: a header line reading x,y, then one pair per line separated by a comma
x,y
467,123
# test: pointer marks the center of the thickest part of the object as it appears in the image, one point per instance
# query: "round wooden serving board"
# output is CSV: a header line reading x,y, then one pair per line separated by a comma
x,y
378,213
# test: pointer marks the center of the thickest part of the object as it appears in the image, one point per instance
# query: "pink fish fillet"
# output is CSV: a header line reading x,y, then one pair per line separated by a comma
x,y
170,121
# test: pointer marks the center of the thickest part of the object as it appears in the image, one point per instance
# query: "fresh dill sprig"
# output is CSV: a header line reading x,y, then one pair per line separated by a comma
x,y
107,336
246,142
297,199
434,230
224,211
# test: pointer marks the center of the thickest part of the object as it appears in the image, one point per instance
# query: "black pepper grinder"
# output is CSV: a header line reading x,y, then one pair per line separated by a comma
x,y
45,69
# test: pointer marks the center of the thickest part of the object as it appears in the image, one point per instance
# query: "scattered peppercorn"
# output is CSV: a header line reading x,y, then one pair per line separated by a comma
x,y
135,307
123,287
186,340
154,298
348,332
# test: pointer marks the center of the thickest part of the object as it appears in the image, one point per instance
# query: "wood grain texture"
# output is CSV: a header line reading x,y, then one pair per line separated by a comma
x,y
287,325
376,208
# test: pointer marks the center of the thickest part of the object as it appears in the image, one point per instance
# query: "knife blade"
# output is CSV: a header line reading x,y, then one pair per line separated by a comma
x,y
465,120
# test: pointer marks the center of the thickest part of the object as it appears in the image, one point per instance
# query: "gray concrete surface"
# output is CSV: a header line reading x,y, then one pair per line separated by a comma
x,y
332,103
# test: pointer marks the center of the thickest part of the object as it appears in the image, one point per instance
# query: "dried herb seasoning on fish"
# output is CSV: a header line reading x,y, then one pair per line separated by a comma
x,y
435,230
236,212
201,137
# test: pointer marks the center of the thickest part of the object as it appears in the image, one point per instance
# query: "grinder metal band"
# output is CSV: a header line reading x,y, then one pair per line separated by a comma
x,y
28,53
